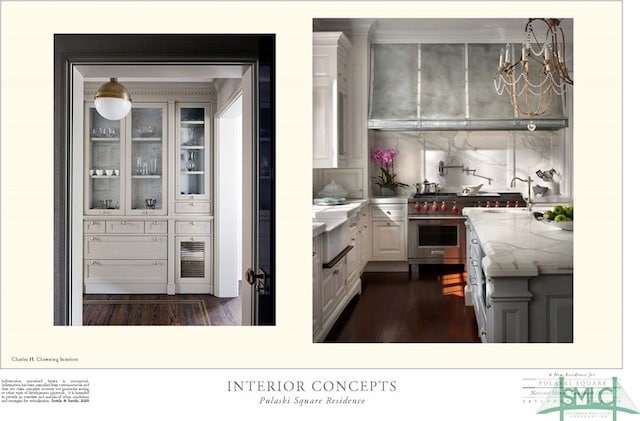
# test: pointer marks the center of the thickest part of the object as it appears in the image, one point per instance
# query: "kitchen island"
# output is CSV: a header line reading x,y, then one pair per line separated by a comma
x,y
520,276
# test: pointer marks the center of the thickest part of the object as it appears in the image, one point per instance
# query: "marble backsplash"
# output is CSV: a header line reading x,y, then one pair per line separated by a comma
x,y
496,155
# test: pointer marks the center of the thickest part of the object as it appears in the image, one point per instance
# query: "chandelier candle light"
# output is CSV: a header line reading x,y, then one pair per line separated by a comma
x,y
387,179
541,72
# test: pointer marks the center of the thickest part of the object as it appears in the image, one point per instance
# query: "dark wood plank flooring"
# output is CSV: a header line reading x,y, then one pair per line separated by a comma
x,y
160,310
394,308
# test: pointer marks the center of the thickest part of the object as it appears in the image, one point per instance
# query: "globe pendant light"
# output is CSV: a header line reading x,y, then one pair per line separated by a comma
x,y
112,100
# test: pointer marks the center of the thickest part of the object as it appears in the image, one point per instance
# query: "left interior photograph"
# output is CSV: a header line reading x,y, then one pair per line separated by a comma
x,y
164,184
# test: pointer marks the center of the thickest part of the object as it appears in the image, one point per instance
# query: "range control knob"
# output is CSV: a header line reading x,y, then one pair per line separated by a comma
x,y
426,207
417,207
488,204
434,207
508,204
497,204
444,207
517,204
455,209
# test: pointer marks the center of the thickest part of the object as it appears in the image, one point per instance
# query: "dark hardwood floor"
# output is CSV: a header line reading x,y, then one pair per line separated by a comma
x,y
394,308
160,310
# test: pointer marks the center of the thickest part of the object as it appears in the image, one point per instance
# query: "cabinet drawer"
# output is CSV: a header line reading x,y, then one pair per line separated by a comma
x,y
397,212
193,207
125,227
125,271
121,247
193,227
94,227
155,227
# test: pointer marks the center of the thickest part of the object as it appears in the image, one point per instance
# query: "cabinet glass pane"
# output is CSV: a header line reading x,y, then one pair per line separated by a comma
x,y
192,259
442,79
146,158
192,151
394,81
104,162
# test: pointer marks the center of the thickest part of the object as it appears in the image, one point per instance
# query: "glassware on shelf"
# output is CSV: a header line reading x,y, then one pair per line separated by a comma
x,y
191,162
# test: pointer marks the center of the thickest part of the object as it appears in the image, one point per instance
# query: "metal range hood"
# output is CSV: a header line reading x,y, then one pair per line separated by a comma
x,y
419,87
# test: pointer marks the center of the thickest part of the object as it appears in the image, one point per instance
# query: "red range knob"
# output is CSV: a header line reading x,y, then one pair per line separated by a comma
x,y
418,207
426,207
488,204
517,204
508,204
434,207
444,207
455,208
497,204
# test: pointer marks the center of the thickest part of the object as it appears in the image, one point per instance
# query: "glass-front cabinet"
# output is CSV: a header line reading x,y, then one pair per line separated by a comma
x,y
146,164
193,179
104,159
126,162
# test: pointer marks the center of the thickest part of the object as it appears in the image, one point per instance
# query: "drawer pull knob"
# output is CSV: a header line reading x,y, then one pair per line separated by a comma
x,y
156,263
193,222
388,213
193,204
93,263
124,222
93,222
193,238
93,238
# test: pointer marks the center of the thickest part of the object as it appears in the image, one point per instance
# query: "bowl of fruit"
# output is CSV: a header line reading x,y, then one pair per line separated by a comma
x,y
560,216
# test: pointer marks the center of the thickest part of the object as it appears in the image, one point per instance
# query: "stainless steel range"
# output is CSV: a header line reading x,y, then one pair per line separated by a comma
x,y
436,231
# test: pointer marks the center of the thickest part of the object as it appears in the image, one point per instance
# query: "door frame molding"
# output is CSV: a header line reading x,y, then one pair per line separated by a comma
x,y
75,49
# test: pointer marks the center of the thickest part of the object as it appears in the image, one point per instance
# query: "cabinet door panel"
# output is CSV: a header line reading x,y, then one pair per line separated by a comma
x,y
103,164
147,166
125,271
125,247
388,241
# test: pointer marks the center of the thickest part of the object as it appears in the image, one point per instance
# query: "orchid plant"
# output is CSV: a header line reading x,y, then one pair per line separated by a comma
x,y
385,157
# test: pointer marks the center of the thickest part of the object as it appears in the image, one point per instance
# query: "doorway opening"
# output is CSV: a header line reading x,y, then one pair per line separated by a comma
x,y
180,259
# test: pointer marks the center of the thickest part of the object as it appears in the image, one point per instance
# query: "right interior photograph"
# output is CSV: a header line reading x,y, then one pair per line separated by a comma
x,y
442,180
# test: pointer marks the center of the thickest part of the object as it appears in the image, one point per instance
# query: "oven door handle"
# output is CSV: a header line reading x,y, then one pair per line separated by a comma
x,y
435,218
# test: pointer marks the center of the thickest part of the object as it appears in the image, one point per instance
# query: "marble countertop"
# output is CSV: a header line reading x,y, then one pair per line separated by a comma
x,y
516,244
389,199
325,218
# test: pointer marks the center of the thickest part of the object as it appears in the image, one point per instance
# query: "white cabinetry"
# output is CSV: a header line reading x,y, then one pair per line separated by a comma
x,y
147,194
389,232
337,281
317,273
330,50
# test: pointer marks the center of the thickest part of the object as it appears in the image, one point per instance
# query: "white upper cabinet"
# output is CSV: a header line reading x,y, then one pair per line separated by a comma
x,y
330,50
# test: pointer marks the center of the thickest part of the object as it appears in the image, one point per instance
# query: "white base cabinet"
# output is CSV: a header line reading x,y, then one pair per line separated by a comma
x,y
389,232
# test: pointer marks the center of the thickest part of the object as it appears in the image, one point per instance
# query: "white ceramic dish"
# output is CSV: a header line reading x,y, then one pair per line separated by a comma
x,y
471,189
563,225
